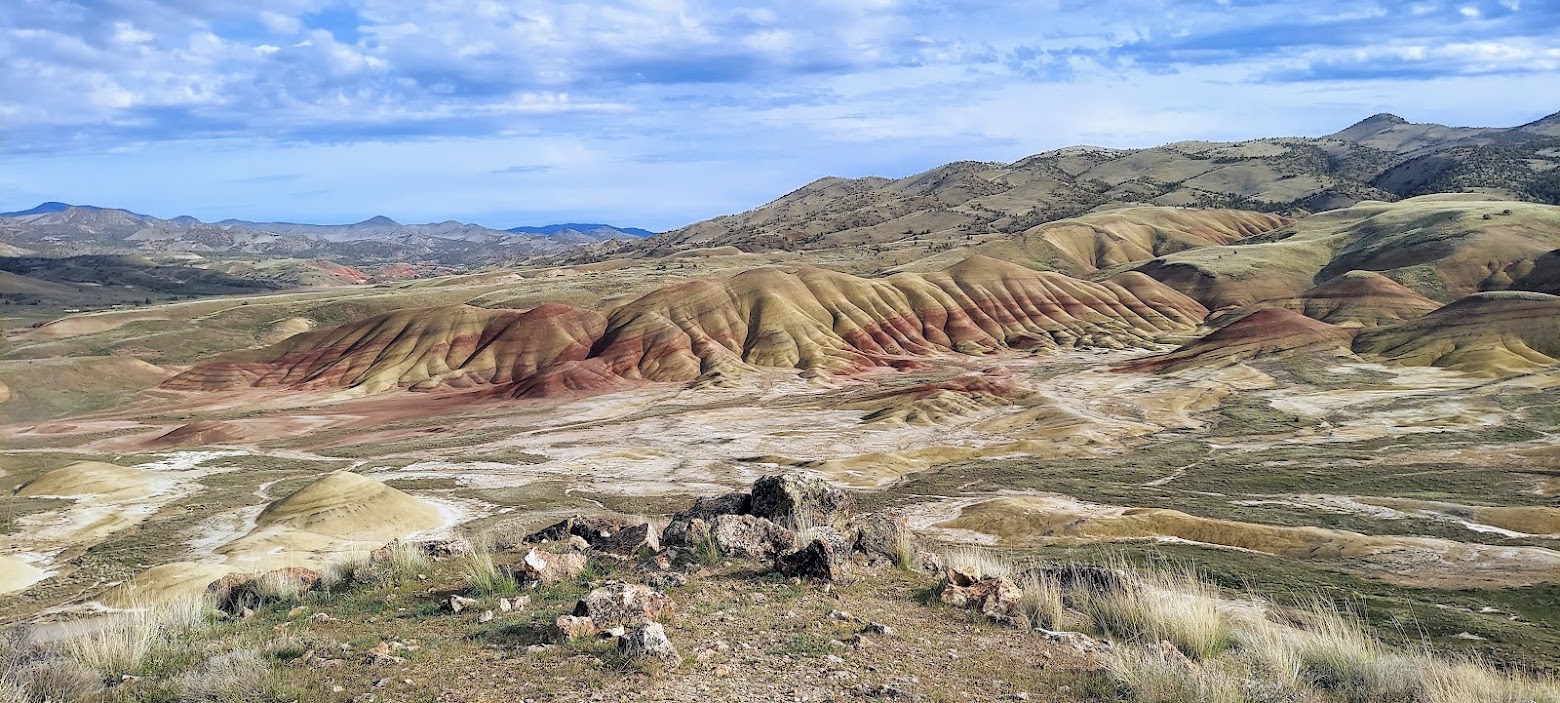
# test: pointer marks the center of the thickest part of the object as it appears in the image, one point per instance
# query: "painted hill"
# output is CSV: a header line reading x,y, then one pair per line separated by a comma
x,y
1360,299
1082,245
1443,247
1488,333
88,479
810,319
1265,334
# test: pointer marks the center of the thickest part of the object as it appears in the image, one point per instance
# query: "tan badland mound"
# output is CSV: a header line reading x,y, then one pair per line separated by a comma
x,y
89,479
1360,299
1490,333
1410,560
1526,519
1442,248
165,583
201,433
803,318
1267,333
282,329
1085,244
339,511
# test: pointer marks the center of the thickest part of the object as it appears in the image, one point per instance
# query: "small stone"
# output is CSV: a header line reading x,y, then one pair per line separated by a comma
x,y
648,641
624,605
570,627
320,618
877,628
486,616
550,568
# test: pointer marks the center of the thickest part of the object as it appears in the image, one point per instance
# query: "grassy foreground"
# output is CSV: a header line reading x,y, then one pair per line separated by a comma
x,y
376,631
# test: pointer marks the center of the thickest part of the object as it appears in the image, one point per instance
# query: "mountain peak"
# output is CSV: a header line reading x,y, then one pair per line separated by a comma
x,y
42,208
1382,119
1369,127
378,221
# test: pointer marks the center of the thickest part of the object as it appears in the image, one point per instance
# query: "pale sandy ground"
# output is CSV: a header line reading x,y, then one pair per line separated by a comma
x,y
45,536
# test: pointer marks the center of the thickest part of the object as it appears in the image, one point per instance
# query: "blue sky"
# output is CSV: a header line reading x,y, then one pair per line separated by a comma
x,y
657,113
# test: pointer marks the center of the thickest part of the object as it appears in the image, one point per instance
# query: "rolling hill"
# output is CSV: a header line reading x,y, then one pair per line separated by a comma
x,y
1382,158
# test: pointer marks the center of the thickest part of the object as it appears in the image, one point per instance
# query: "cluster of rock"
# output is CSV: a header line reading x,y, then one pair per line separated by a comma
x,y
800,526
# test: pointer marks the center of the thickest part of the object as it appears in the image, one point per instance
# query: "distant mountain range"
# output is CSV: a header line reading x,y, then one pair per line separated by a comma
x,y
55,228
581,228
1383,157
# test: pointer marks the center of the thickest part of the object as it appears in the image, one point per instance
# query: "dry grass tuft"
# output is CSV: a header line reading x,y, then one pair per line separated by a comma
x,y
485,578
980,563
406,561
1155,677
121,643
1041,603
1174,607
235,677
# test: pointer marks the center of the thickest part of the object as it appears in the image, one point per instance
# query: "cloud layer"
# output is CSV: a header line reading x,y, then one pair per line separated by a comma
x,y
664,111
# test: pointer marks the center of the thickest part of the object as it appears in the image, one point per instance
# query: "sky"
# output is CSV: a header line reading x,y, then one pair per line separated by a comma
x,y
658,113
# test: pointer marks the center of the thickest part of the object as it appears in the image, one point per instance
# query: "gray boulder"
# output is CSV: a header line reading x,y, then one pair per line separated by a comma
x,y
798,501
825,558
749,537
648,641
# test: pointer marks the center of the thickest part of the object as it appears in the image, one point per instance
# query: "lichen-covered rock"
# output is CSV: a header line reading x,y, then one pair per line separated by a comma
x,y
624,605
444,548
648,641
686,536
236,593
825,558
798,501
545,567
884,537
629,541
750,537
591,527
996,597
708,507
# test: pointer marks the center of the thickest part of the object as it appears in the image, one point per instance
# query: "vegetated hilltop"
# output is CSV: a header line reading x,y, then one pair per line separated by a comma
x,y
1442,247
1381,158
109,279
814,320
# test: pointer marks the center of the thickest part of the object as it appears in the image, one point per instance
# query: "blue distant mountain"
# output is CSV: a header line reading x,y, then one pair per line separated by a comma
x,y
582,227
40,210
